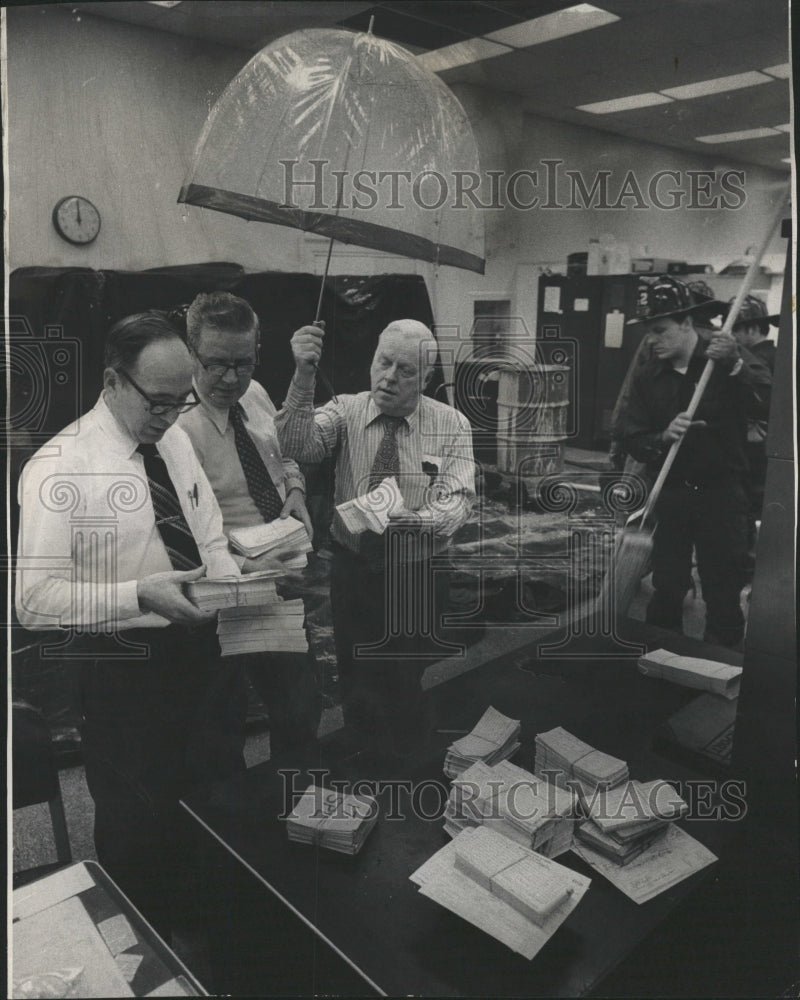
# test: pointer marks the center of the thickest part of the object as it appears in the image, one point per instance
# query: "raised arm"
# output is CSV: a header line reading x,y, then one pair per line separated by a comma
x,y
304,434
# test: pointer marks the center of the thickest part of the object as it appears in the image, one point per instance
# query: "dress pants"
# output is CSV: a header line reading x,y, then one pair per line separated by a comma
x,y
152,730
381,695
714,521
287,685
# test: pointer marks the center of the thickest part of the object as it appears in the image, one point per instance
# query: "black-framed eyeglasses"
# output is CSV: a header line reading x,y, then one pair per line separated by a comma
x,y
160,409
219,369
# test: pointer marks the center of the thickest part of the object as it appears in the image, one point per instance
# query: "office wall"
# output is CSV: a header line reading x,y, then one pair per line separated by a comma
x,y
511,140
112,111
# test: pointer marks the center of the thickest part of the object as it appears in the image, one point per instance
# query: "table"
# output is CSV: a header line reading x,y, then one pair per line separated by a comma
x,y
75,931
365,910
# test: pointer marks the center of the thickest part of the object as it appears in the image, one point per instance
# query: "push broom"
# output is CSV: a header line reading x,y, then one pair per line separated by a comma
x,y
635,544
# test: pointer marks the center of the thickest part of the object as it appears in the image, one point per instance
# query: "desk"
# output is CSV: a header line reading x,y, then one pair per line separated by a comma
x,y
367,911
79,936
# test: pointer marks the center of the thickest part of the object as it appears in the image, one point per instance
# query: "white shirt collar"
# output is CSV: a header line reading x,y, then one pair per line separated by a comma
x,y
219,418
119,438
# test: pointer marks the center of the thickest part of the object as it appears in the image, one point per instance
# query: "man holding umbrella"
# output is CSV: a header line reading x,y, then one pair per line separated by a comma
x,y
426,446
703,504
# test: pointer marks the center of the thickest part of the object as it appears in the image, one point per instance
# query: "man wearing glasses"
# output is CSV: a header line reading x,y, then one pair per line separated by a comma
x,y
116,515
233,434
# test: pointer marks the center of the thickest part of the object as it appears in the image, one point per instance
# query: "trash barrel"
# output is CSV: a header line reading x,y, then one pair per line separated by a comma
x,y
532,407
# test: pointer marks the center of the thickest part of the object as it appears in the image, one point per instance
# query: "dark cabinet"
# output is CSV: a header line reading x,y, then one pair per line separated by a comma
x,y
582,323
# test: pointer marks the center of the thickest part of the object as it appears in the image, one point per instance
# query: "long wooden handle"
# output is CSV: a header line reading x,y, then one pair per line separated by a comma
x,y
702,382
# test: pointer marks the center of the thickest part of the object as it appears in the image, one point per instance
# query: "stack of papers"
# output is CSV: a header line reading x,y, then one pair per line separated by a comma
x,y
370,511
233,591
494,738
518,897
285,538
625,821
511,801
336,820
277,627
706,675
563,758
664,864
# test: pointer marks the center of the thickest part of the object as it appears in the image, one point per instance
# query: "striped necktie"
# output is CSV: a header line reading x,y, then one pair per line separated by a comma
x,y
259,482
387,457
175,534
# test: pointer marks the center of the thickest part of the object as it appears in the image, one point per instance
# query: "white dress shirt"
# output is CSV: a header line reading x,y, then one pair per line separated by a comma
x,y
212,435
87,527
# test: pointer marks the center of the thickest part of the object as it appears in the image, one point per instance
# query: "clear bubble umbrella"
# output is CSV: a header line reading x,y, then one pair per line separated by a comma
x,y
346,135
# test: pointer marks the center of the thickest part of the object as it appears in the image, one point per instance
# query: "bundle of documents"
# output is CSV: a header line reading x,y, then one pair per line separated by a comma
x,y
690,671
336,820
494,738
514,803
277,627
370,511
614,848
515,895
250,590
625,821
562,757
284,538
662,865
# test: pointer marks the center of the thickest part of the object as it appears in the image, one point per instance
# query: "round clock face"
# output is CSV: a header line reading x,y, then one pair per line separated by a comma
x,y
76,219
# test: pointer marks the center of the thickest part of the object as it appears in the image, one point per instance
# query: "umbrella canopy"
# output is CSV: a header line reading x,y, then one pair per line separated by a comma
x,y
345,135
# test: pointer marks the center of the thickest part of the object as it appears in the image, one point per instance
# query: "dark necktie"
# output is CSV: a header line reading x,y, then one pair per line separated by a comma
x,y
259,482
387,457
175,534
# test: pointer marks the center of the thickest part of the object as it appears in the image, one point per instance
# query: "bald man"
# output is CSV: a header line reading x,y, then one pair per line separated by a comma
x,y
390,431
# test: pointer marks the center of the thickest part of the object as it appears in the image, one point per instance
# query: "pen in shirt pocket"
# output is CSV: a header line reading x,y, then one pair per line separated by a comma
x,y
194,496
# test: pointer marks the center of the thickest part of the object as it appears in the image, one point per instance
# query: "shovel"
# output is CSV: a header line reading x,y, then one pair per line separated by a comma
x,y
635,545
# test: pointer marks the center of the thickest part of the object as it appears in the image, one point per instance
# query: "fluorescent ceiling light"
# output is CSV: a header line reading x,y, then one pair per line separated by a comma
x,y
164,3
624,103
461,54
781,72
581,17
719,85
750,133
784,128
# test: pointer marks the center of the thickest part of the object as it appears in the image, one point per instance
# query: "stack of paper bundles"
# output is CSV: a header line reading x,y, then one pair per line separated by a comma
x,y
533,885
564,758
509,892
494,738
370,511
690,671
511,801
662,865
276,627
285,538
625,821
251,590
335,820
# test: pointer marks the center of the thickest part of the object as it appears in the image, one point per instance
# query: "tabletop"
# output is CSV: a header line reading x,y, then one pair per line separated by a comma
x,y
366,909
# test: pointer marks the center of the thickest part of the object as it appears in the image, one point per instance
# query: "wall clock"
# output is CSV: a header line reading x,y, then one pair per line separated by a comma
x,y
76,220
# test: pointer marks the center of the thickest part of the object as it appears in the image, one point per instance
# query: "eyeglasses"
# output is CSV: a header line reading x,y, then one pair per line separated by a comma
x,y
160,409
219,369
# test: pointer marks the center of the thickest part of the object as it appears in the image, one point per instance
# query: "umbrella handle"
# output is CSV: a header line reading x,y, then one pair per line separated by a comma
x,y
324,378
727,326
322,283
